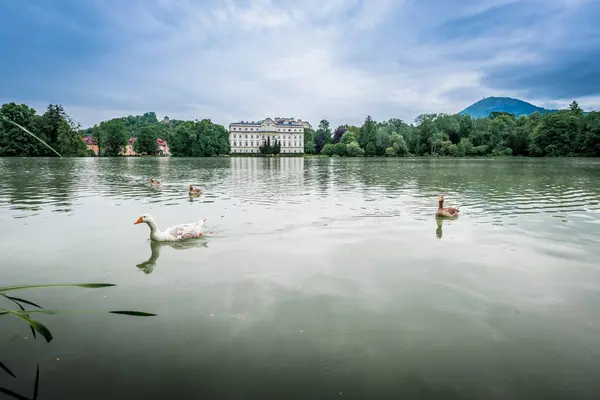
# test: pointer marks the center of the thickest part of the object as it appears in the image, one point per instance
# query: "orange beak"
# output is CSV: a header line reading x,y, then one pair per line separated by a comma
x,y
139,221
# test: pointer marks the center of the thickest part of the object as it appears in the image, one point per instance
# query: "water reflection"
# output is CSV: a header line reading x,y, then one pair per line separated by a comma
x,y
32,184
318,276
278,177
438,231
155,248
493,191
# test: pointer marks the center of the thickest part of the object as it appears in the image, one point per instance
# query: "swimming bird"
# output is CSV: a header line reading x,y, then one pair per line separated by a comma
x,y
194,191
448,212
177,233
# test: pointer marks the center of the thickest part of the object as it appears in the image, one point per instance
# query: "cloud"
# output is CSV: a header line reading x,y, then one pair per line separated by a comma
x,y
565,49
337,59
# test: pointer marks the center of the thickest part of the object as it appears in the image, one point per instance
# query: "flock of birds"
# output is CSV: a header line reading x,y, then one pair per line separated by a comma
x,y
195,230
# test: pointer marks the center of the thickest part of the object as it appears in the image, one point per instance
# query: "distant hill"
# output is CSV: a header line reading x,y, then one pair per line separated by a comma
x,y
484,107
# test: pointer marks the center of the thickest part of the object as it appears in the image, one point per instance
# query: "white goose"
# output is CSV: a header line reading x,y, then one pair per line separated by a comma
x,y
177,233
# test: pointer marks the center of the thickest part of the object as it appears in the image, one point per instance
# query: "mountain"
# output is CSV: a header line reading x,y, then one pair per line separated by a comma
x,y
484,107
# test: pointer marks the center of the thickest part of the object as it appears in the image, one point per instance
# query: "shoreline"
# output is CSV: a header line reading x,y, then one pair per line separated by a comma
x,y
445,157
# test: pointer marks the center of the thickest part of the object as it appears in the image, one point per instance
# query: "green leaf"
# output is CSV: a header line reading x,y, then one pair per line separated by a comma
x,y
13,394
15,299
37,383
82,285
17,395
134,313
52,311
38,326
5,368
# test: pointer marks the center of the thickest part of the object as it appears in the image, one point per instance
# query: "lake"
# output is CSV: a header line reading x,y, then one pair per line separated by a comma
x,y
319,278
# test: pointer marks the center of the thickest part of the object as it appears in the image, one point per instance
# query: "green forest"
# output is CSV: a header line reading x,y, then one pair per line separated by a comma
x,y
564,133
186,138
569,132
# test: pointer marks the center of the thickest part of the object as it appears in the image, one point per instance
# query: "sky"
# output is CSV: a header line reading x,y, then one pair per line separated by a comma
x,y
340,60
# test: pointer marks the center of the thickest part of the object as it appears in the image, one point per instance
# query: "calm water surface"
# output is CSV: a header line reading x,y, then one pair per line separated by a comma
x,y
322,278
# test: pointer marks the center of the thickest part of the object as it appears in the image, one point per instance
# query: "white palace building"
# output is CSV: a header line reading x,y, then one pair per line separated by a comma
x,y
247,136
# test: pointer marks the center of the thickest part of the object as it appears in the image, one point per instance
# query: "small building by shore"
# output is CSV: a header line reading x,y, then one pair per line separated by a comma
x,y
91,144
163,146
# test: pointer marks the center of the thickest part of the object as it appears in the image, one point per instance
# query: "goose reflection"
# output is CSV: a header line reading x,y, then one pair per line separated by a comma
x,y
438,230
155,247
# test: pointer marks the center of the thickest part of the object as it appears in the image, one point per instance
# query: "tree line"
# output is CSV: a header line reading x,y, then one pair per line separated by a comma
x,y
185,138
62,133
54,127
569,132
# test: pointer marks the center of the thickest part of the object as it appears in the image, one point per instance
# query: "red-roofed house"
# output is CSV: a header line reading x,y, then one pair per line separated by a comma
x,y
163,147
91,144
128,150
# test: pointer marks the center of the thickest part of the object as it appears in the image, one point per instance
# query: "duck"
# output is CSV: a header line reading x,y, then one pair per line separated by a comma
x,y
153,182
176,233
448,212
194,191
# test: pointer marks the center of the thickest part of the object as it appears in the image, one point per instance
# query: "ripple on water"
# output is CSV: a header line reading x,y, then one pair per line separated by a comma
x,y
349,189
336,216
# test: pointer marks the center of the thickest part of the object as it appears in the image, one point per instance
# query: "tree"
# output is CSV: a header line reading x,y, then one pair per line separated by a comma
x,y
591,135
398,145
348,137
575,109
428,137
146,141
322,135
50,122
382,140
354,150
14,141
309,141
556,135
496,114
464,148
69,142
222,136
368,137
277,147
338,133
449,125
113,137
199,139
182,139
328,149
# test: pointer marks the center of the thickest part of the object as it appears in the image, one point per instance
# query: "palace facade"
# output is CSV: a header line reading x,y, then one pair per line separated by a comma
x,y
248,136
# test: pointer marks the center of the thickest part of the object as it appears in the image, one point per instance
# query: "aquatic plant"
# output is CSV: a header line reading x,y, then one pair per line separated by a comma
x,y
37,327
29,132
